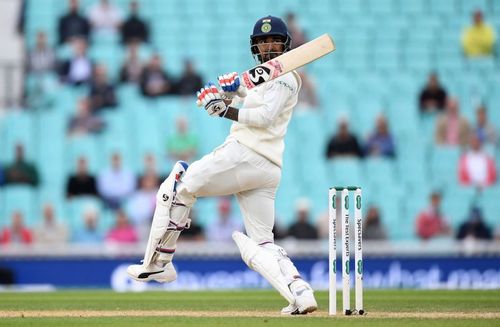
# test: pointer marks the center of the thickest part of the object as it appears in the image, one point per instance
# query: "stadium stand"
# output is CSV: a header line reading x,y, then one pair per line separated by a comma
x,y
377,67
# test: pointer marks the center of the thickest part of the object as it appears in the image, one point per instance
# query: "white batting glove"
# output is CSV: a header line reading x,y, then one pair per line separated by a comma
x,y
210,98
230,84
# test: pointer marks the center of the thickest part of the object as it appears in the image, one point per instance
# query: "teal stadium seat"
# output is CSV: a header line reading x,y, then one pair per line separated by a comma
x,y
366,111
456,204
467,7
50,136
488,201
345,171
493,102
415,7
353,8
85,146
20,198
19,128
55,197
444,166
402,115
384,8
380,172
446,8
76,207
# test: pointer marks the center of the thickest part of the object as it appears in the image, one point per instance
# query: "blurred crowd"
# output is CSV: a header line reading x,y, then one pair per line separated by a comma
x,y
131,198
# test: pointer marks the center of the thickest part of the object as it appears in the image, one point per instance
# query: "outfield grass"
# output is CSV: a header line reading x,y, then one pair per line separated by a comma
x,y
243,308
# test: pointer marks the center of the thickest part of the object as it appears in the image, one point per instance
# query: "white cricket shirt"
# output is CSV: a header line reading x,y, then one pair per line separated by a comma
x,y
264,116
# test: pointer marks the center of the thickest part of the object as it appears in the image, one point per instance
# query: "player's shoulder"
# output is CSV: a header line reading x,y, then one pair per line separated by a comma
x,y
289,80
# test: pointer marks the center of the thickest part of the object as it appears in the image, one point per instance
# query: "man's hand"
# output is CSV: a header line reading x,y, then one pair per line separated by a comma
x,y
210,98
230,84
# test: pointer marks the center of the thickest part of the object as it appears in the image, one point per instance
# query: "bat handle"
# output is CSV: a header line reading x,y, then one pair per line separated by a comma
x,y
241,91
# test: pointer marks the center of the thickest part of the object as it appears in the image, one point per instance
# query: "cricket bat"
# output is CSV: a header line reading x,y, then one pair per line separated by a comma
x,y
296,58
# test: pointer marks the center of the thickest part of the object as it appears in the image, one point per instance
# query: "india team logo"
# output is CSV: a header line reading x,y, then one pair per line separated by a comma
x,y
266,28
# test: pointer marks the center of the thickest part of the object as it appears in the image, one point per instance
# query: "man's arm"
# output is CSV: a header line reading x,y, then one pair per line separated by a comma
x,y
232,113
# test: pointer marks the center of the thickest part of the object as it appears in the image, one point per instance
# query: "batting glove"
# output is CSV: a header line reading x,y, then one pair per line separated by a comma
x,y
210,98
230,84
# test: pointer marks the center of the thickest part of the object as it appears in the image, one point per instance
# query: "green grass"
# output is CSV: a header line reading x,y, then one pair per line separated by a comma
x,y
425,307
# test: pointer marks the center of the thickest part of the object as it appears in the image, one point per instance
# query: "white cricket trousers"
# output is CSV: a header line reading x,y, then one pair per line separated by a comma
x,y
232,168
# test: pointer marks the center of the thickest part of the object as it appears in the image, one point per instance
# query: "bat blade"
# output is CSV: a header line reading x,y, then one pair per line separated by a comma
x,y
288,61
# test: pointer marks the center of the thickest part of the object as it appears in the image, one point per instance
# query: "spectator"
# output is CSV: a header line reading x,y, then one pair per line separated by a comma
x,y
102,92
154,80
222,227
134,29
123,231
105,18
81,183
431,222
77,70
21,171
132,67
343,143
141,205
478,40
452,129
195,231
484,130
302,229
307,95
474,227
17,232
84,122
380,142
116,183
2,176
41,59
50,231
373,229
190,81
476,167
73,24
150,170
183,144
296,32
433,96
88,233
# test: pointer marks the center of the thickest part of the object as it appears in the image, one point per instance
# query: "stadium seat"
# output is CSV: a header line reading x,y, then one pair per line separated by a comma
x,y
353,8
456,204
384,8
467,7
387,60
415,7
345,171
487,200
444,166
380,172
20,198
444,7
77,206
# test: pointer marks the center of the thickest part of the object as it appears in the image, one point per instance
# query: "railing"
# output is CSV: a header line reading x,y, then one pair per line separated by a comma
x,y
294,248
11,83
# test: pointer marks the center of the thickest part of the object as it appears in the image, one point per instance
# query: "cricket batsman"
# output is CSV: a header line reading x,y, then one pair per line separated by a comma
x,y
248,165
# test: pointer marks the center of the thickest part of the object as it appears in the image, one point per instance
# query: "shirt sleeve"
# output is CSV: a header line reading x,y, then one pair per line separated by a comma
x,y
277,94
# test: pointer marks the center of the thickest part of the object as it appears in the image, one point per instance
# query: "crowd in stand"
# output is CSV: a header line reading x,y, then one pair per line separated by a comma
x,y
131,198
